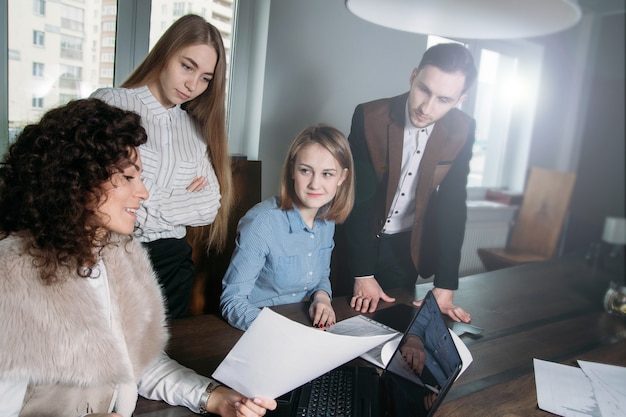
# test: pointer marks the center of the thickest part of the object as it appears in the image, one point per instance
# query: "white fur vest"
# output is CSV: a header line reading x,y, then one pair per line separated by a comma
x,y
57,337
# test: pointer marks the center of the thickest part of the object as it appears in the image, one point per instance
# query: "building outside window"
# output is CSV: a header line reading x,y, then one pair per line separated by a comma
x,y
37,102
39,7
65,49
38,38
38,70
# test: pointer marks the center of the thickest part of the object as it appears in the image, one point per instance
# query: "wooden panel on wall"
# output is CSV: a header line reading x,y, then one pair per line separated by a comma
x,y
211,266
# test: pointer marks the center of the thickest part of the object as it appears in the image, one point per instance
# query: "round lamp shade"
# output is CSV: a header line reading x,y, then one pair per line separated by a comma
x,y
470,19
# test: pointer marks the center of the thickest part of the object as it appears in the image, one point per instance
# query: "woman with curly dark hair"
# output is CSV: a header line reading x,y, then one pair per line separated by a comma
x,y
82,320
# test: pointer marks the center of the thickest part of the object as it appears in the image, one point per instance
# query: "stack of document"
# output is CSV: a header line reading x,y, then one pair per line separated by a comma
x,y
593,389
276,355
381,354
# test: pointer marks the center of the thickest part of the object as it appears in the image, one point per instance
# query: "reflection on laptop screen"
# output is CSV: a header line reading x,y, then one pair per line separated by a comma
x,y
423,367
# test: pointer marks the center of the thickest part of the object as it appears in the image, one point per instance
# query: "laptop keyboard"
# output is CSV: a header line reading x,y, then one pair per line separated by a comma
x,y
329,395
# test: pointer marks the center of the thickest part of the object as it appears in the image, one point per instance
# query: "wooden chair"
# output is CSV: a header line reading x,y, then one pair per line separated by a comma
x,y
537,230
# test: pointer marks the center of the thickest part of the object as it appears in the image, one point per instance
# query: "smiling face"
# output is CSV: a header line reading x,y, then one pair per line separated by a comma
x,y
433,93
185,76
316,175
123,193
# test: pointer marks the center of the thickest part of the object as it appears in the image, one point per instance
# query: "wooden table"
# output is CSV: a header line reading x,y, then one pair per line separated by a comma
x,y
551,311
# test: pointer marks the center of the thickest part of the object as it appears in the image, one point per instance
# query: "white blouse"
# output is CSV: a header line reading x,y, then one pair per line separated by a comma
x,y
173,156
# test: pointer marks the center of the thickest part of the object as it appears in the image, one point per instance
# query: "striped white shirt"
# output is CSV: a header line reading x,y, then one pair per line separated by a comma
x,y
173,156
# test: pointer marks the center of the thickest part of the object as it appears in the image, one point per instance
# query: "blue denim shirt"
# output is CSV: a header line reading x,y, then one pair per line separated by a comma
x,y
277,260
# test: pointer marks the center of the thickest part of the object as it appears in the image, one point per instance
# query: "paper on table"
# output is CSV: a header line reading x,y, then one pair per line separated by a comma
x,y
381,354
276,355
464,353
564,390
364,326
608,386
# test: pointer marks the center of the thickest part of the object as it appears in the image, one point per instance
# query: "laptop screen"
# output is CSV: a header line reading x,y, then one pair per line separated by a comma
x,y
423,367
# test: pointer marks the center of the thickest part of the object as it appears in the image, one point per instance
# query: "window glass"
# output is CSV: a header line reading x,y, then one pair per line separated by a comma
x,y
493,102
65,49
38,38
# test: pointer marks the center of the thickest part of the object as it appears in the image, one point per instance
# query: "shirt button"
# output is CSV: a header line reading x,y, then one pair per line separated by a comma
x,y
410,173
293,295
310,273
306,288
312,236
309,254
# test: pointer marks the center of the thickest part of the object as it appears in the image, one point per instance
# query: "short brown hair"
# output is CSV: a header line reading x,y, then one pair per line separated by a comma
x,y
335,142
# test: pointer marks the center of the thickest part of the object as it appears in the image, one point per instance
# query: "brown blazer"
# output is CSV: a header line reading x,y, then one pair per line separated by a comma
x,y
376,140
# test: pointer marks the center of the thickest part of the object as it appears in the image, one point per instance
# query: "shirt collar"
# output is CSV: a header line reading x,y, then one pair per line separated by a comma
x,y
148,99
408,126
296,223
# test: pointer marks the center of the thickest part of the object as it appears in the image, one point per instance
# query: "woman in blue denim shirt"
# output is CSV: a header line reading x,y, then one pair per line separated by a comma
x,y
284,243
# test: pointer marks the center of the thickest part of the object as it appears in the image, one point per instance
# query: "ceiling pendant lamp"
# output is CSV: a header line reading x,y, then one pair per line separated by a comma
x,y
470,19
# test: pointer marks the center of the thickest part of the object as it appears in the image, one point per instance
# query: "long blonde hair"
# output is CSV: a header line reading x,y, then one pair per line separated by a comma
x,y
208,109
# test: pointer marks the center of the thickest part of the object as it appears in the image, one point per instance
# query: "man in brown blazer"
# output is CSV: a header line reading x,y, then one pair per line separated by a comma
x,y
412,155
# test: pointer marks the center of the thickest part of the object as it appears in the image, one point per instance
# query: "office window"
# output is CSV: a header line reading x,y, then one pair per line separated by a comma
x,y
38,70
108,41
107,57
179,9
106,73
70,78
68,60
109,10
72,18
39,7
220,17
71,47
66,98
71,72
38,38
502,99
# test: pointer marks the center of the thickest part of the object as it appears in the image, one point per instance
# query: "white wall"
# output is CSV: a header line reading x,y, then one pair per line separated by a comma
x,y
321,62
313,61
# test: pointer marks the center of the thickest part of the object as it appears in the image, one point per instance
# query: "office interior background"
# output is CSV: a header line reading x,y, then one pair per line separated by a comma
x,y
554,101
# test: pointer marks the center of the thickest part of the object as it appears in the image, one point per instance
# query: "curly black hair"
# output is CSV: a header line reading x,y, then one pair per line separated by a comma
x,y
51,178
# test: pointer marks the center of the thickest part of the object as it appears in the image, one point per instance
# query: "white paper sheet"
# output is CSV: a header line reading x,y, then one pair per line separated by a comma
x,y
276,355
381,354
464,353
609,386
564,390
364,326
